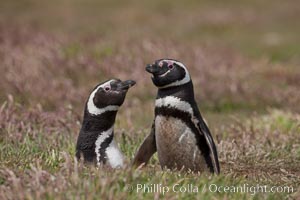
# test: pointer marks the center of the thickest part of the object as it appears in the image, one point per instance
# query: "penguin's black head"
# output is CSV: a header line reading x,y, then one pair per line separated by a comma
x,y
108,95
168,73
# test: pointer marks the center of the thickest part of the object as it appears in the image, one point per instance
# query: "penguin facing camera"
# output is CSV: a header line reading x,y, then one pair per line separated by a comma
x,y
95,143
178,134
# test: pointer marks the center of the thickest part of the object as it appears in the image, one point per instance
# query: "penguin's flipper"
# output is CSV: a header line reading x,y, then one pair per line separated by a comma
x,y
146,150
202,127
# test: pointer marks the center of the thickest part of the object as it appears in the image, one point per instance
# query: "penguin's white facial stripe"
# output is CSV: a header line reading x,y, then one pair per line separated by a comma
x,y
183,81
92,108
100,140
174,102
114,156
106,86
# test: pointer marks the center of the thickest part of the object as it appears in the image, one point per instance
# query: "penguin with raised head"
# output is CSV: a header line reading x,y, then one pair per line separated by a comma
x,y
178,134
95,143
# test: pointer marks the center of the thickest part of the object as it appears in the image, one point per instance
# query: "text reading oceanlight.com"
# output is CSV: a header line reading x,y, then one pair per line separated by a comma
x,y
214,188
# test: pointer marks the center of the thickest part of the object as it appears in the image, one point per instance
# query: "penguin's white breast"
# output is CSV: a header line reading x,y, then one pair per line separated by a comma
x,y
114,156
176,145
173,134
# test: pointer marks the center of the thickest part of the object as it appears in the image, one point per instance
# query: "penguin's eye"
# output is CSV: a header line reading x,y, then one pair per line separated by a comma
x,y
171,66
107,89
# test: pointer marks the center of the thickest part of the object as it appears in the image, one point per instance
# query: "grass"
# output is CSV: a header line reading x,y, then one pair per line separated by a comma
x,y
244,64
39,163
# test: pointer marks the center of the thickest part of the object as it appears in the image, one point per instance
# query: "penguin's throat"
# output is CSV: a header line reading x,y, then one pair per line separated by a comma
x,y
98,123
93,110
183,91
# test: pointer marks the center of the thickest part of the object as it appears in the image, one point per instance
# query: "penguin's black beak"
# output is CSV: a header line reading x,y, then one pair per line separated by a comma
x,y
153,69
125,85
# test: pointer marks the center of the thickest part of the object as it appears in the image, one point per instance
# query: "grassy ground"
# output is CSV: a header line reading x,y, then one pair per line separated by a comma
x,y
244,64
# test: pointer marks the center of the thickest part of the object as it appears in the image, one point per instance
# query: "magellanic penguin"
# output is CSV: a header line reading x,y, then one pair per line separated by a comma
x,y
178,134
95,143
